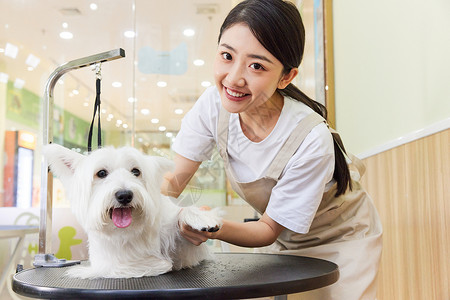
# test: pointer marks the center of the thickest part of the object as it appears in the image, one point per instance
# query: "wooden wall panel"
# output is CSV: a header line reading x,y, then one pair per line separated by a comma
x,y
410,187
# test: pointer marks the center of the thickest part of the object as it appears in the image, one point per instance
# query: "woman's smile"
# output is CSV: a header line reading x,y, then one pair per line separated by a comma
x,y
234,95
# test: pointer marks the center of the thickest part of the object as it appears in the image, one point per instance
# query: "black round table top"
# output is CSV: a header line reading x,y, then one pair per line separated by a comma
x,y
228,276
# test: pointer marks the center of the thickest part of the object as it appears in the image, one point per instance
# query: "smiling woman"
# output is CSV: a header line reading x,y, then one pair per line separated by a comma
x,y
278,152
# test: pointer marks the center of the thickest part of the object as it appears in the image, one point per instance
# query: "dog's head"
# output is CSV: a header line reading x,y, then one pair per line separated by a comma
x,y
110,189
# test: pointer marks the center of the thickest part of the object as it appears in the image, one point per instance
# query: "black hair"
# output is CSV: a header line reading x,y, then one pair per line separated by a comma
x,y
278,26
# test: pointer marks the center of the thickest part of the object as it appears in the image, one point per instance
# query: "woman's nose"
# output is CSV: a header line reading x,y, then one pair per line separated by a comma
x,y
236,76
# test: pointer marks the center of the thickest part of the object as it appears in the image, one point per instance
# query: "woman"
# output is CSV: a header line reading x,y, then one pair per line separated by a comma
x,y
279,153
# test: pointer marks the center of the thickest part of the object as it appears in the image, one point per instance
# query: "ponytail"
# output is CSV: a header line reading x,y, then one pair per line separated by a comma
x,y
341,172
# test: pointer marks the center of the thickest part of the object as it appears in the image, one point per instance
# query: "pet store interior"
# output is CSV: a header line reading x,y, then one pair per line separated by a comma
x,y
381,68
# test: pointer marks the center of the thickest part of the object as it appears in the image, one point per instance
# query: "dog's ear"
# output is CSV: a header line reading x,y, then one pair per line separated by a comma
x,y
61,160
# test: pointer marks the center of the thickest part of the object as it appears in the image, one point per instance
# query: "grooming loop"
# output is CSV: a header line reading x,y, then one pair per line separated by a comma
x,y
98,70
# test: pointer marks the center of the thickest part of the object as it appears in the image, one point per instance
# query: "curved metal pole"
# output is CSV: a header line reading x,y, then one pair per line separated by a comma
x,y
45,227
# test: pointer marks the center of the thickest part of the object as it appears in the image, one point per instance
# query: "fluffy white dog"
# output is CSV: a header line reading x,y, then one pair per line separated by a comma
x,y
132,229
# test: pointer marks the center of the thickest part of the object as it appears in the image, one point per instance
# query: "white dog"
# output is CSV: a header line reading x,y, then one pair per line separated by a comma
x,y
132,229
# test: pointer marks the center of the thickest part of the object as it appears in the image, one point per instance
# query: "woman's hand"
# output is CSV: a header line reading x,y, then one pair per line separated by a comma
x,y
250,234
194,236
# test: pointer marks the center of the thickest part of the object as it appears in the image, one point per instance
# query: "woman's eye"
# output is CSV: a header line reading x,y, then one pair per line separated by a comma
x,y
226,56
102,174
136,172
256,66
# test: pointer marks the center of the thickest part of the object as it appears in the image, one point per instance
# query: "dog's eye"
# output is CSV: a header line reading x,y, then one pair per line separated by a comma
x,y
102,174
136,172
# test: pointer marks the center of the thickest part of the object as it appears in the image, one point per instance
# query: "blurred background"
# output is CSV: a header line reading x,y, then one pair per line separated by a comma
x,y
381,68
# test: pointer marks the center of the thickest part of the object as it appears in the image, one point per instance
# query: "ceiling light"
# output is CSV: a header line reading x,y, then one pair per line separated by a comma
x,y
162,128
85,104
19,83
4,77
125,126
205,83
66,35
117,84
65,25
189,32
2,50
11,50
145,111
30,69
75,91
110,116
32,61
169,134
161,83
129,34
199,62
155,121
93,6
118,122
131,100
178,111
103,110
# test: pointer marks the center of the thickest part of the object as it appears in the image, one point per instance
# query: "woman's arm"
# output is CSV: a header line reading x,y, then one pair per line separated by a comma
x,y
175,182
250,234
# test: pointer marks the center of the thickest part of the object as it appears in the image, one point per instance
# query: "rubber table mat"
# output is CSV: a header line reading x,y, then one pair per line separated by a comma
x,y
228,276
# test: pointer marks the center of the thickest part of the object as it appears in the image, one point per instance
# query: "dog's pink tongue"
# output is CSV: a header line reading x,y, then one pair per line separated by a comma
x,y
122,217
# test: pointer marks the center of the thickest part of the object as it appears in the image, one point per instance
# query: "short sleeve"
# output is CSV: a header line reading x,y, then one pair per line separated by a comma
x,y
297,195
196,138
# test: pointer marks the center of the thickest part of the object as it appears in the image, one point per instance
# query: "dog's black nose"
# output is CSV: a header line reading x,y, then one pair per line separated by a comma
x,y
124,196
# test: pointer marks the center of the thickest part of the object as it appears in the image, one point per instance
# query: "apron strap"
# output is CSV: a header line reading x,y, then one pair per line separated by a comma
x,y
291,145
222,132
359,165
351,159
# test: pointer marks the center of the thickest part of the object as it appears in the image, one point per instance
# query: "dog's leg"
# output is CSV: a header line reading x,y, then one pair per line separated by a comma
x,y
186,254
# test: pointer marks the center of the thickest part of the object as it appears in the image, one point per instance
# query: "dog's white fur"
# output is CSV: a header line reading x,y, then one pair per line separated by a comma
x,y
151,245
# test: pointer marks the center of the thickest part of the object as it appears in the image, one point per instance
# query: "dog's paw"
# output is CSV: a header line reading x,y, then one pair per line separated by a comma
x,y
202,220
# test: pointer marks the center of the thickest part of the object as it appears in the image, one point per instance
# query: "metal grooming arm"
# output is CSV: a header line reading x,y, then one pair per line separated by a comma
x,y
45,227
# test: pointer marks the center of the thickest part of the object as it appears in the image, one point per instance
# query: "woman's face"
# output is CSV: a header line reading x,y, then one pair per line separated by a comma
x,y
246,74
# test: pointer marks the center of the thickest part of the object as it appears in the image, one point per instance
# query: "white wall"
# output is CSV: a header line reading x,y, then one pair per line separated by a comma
x,y
392,64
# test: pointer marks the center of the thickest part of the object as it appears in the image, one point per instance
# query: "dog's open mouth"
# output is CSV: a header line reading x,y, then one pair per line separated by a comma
x,y
121,216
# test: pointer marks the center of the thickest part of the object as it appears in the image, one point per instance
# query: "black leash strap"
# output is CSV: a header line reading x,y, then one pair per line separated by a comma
x,y
96,108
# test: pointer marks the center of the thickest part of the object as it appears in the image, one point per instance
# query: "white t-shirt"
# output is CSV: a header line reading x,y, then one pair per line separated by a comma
x,y
308,174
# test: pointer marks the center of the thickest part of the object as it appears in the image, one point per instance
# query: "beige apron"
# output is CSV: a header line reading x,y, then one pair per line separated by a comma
x,y
346,229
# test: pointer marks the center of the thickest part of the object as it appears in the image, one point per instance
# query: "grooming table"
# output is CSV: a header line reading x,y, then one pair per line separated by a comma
x,y
228,276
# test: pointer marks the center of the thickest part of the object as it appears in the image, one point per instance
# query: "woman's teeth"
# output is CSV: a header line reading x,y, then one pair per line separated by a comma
x,y
235,94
